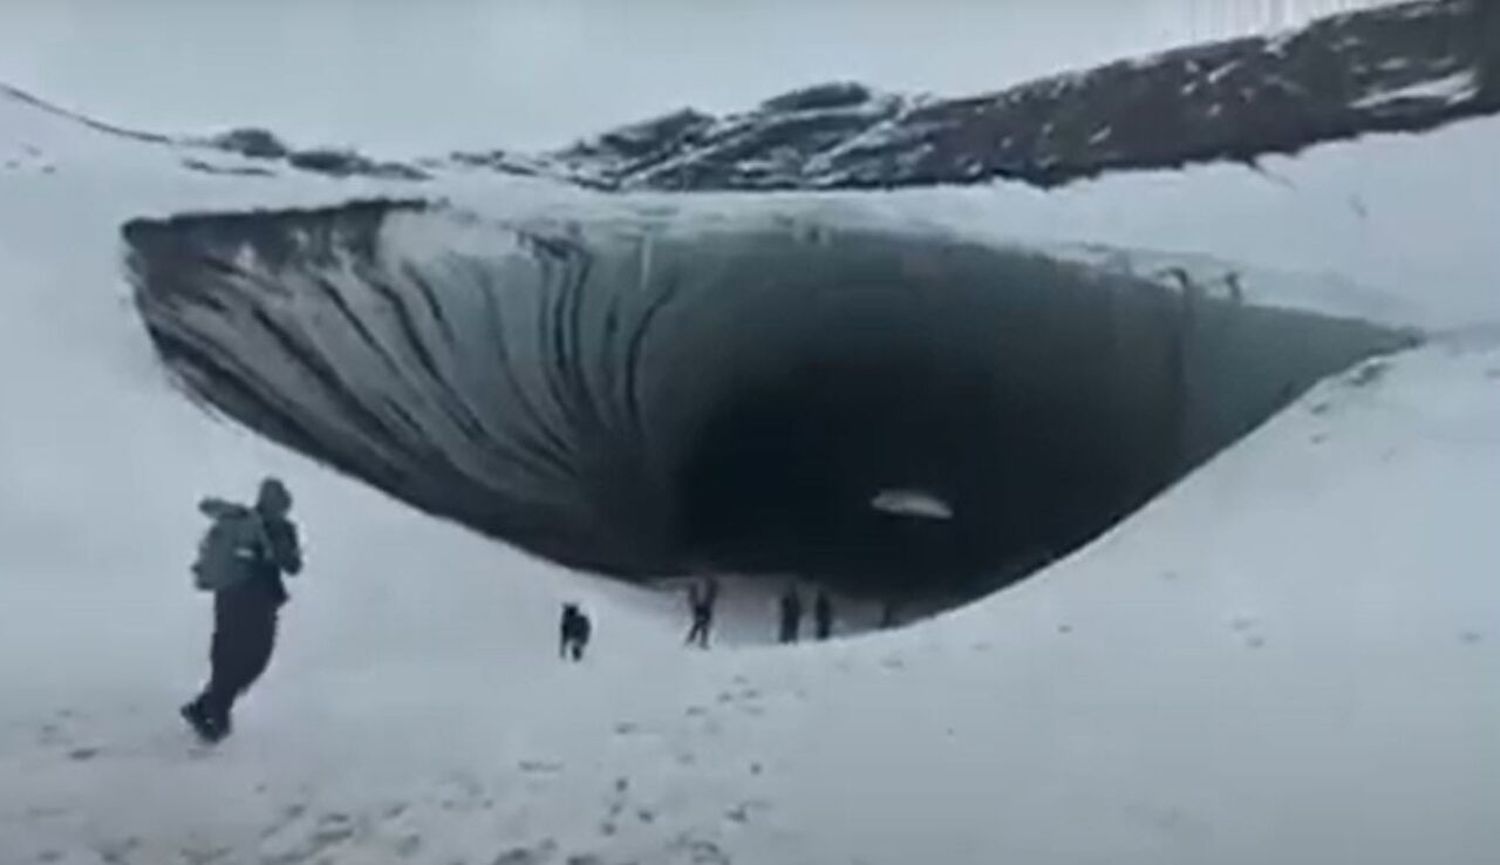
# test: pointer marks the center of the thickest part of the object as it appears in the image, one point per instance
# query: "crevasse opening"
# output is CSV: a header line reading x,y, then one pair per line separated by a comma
x,y
657,395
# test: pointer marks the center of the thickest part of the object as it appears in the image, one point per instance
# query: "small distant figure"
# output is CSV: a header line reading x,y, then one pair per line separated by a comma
x,y
575,629
823,616
889,613
241,560
791,615
701,599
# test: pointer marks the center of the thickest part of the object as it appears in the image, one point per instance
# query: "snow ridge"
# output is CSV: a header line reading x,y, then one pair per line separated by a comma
x,y
1404,67
1398,68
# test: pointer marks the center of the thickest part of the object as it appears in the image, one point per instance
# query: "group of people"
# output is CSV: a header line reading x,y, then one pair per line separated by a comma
x,y
791,615
247,552
574,628
704,595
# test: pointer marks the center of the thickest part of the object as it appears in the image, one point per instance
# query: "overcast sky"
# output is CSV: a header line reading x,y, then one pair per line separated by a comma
x,y
402,77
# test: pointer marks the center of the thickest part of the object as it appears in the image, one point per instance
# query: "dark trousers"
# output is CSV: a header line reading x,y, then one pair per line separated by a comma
x,y
698,633
244,636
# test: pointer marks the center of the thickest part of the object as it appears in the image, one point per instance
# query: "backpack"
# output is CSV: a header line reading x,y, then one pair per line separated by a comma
x,y
230,550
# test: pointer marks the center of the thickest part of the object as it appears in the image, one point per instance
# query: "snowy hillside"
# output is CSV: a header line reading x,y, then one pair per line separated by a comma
x,y
1401,67
1291,656
1307,675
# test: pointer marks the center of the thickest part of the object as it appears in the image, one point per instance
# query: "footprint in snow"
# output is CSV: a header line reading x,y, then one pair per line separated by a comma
x,y
409,846
330,833
540,767
702,852
118,852
204,856
537,855
395,810
742,812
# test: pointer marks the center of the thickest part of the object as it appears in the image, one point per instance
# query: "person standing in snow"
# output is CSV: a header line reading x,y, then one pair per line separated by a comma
x,y
791,614
701,599
888,613
823,615
575,630
242,560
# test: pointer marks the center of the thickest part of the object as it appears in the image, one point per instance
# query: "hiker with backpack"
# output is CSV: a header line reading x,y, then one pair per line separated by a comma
x,y
241,560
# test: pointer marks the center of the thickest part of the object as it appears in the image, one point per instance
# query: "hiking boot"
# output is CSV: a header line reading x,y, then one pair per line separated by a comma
x,y
206,727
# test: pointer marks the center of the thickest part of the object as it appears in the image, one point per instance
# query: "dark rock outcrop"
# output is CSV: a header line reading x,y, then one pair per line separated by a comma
x,y
251,142
1400,68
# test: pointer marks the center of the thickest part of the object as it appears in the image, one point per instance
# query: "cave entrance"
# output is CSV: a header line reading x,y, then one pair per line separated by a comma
x,y
886,479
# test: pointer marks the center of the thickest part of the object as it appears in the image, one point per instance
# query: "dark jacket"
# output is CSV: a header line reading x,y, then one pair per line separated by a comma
x,y
280,554
283,555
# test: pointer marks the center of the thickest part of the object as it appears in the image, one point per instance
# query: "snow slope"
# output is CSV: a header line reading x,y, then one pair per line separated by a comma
x,y
1291,656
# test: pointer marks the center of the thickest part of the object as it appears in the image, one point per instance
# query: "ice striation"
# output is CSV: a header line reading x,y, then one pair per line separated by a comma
x,y
659,393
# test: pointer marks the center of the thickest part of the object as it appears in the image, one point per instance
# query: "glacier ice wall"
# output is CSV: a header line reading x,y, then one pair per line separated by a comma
x,y
655,394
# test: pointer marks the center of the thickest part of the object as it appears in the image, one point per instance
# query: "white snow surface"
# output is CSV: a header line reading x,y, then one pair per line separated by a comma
x,y
1291,656
1453,88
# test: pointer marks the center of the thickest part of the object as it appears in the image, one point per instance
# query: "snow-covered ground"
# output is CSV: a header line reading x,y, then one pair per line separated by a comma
x,y
1292,656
